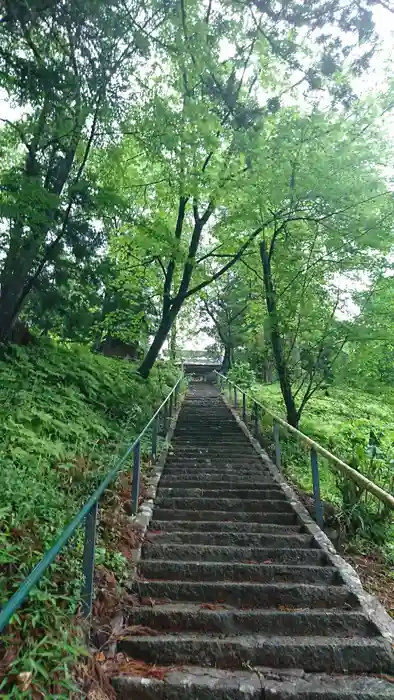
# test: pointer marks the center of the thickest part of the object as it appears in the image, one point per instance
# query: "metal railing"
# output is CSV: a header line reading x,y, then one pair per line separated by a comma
x,y
235,391
89,512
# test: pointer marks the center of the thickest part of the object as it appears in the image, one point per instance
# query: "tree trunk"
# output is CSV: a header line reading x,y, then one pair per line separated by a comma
x,y
11,298
267,372
162,332
226,363
276,339
173,342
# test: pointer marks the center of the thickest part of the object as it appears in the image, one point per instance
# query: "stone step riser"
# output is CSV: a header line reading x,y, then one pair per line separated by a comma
x,y
222,504
222,571
235,528
178,514
208,444
248,539
170,619
249,595
207,435
220,461
261,685
236,470
213,472
313,557
203,492
233,653
253,495
227,484
220,455
205,476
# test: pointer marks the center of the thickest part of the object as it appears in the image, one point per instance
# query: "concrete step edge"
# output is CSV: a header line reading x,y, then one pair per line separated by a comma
x,y
192,683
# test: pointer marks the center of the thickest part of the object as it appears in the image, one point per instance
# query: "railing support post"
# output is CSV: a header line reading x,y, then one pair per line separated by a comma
x,y
243,406
88,561
171,405
165,421
256,420
176,396
316,488
277,444
135,488
154,438
235,398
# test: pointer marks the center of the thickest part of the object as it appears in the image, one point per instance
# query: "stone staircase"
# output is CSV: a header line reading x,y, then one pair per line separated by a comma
x,y
239,599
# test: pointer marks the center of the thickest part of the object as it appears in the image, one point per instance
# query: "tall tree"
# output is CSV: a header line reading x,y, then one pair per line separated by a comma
x,y
340,222
67,65
204,114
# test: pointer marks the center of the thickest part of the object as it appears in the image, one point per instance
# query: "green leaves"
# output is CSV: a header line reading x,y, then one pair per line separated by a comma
x,y
64,414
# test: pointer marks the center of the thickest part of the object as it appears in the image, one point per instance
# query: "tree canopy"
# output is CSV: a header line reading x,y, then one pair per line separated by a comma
x,y
210,158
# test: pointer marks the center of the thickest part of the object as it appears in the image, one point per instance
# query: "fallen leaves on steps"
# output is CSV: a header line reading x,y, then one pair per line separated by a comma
x,y
123,665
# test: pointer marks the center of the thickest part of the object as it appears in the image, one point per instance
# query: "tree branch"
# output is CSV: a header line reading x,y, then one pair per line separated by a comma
x,y
228,265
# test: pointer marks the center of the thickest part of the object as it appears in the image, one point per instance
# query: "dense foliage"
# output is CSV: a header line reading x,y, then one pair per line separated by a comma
x,y
175,167
65,415
153,144
359,429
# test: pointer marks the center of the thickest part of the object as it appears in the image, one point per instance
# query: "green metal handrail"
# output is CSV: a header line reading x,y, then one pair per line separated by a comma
x,y
315,449
89,513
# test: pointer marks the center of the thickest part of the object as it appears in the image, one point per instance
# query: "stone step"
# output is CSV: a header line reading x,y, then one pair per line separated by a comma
x,y
246,594
207,434
208,443
249,460
190,481
187,426
215,527
234,537
188,552
269,517
217,462
218,619
205,476
202,683
153,569
224,504
212,465
207,492
312,654
223,452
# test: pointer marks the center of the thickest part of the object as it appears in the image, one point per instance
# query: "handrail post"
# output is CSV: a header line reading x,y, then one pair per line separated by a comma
x,y
165,413
277,444
256,420
316,488
154,438
243,406
170,406
176,396
135,487
88,561
235,398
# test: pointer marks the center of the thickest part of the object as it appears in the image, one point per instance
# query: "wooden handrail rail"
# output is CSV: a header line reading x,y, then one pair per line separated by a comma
x,y
338,464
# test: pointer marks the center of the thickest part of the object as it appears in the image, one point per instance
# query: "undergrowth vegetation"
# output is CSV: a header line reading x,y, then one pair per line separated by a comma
x,y
357,427
65,414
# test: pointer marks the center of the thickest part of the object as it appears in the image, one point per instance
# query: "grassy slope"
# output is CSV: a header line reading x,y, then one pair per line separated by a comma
x,y
64,414
340,422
